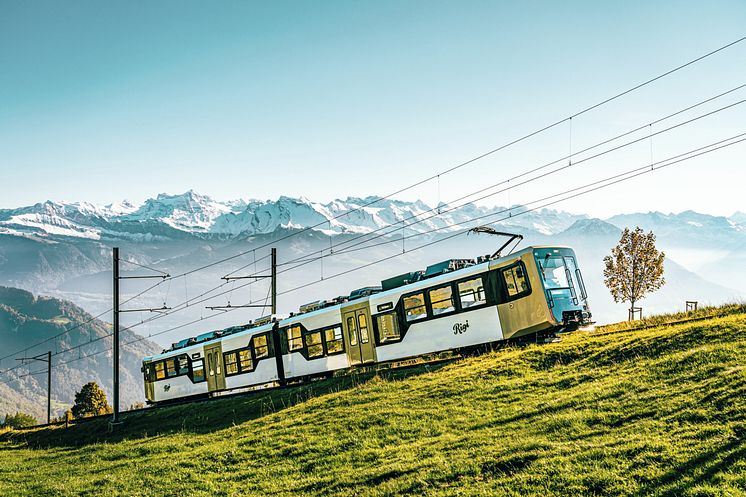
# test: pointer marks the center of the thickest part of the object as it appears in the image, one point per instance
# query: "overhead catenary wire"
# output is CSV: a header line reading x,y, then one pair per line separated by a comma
x,y
399,224
616,179
570,156
143,266
395,226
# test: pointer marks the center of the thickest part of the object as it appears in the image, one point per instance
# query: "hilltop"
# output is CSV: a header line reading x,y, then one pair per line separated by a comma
x,y
618,411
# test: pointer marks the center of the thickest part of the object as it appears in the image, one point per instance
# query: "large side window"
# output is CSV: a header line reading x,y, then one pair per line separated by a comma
x,y
198,371
231,362
388,327
260,346
238,361
471,293
414,307
183,364
314,345
160,370
441,300
334,342
295,338
171,367
515,281
244,360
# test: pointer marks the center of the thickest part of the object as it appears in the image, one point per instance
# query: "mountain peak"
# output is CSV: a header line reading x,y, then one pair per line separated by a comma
x,y
592,227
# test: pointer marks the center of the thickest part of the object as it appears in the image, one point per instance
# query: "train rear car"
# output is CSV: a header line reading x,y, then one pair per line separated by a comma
x,y
237,358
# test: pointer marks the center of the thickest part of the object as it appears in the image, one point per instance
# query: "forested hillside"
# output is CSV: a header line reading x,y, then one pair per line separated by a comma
x,y
26,320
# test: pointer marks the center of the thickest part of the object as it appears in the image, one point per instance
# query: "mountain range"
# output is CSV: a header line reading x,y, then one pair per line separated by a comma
x,y
193,215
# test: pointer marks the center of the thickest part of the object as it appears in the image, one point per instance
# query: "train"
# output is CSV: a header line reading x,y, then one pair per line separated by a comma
x,y
454,305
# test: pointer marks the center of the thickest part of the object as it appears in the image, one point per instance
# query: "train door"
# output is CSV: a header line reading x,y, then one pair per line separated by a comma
x,y
358,334
215,369
520,310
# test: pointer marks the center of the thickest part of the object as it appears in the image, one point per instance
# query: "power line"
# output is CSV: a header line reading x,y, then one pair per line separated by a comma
x,y
144,267
474,159
561,159
338,250
303,261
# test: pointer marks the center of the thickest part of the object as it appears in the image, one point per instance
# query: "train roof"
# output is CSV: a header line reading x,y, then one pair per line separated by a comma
x,y
182,346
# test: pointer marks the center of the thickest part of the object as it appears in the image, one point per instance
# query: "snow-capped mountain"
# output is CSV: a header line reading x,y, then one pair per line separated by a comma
x,y
192,214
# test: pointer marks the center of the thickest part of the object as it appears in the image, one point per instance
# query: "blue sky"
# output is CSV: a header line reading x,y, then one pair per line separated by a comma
x,y
102,101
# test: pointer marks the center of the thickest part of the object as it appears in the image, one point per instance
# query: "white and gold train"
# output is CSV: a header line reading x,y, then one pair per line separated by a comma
x,y
455,305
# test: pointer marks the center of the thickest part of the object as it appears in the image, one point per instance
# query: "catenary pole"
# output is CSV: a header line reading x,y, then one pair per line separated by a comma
x,y
115,331
274,280
49,387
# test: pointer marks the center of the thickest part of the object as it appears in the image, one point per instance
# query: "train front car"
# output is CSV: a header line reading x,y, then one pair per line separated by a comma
x,y
563,287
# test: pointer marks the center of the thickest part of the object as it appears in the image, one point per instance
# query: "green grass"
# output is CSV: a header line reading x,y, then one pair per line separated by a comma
x,y
659,411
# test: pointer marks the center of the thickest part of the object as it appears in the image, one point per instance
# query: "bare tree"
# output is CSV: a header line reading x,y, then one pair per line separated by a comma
x,y
634,268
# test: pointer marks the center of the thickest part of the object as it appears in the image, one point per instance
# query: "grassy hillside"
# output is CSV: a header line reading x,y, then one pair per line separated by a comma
x,y
658,411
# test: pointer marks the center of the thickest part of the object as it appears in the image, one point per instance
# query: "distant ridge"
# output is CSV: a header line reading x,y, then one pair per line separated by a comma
x,y
27,320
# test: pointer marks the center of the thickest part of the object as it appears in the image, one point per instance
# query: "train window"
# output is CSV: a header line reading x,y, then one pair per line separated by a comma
x,y
244,360
183,365
160,371
260,346
414,307
333,337
198,371
388,327
352,330
171,367
515,280
313,344
553,272
441,300
471,293
362,321
231,363
573,270
295,338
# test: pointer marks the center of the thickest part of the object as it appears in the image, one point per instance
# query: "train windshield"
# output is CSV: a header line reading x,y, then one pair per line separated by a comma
x,y
562,278
553,271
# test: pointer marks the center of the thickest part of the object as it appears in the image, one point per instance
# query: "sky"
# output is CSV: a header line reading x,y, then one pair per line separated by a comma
x,y
104,101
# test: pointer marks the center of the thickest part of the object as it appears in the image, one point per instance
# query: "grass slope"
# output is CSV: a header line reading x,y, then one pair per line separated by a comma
x,y
659,411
